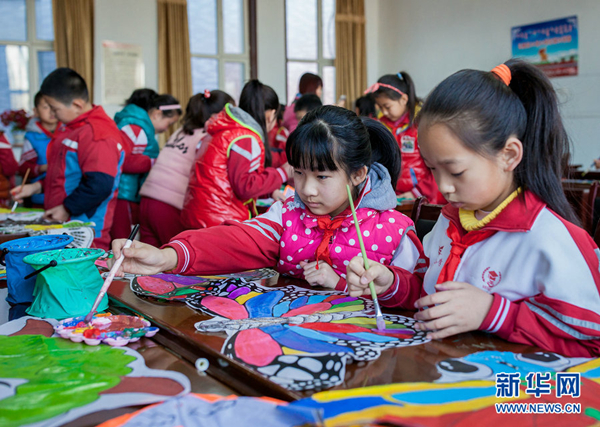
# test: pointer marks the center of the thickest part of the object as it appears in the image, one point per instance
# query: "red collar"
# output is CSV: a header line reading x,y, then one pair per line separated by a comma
x,y
393,125
518,216
46,131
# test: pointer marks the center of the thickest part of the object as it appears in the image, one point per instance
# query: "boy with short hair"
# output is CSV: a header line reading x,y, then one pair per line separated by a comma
x,y
305,104
84,157
38,134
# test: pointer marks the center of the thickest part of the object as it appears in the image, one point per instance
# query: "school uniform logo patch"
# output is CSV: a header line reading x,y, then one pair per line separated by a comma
x,y
407,144
491,278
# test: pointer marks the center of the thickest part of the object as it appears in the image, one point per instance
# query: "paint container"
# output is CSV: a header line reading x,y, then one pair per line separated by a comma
x,y
69,288
20,290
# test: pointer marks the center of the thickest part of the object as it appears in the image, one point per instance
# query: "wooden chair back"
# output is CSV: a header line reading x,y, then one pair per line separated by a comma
x,y
424,215
581,195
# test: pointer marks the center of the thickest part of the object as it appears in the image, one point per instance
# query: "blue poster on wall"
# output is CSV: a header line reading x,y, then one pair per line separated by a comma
x,y
551,45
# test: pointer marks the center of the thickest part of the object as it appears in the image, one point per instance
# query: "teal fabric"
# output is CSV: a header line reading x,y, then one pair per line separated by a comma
x,y
130,184
70,288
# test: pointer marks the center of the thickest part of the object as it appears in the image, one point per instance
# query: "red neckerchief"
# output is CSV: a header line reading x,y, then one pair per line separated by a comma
x,y
460,241
328,225
44,130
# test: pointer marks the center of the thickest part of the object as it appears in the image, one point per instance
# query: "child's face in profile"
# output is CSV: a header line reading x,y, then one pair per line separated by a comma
x,y
467,179
324,192
65,113
44,113
161,122
393,109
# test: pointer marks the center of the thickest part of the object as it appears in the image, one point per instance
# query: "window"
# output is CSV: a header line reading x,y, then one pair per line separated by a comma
x,y
219,45
26,50
310,44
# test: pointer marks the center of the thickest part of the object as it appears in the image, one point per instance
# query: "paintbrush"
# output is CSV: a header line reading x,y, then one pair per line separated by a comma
x,y
14,207
378,315
111,275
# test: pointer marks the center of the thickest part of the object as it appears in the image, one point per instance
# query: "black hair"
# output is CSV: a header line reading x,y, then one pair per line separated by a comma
x,y
332,138
280,112
200,108
166,99
309,83
255,99
403,82
37,99
142,98
65,85
307,103
483,112
366,105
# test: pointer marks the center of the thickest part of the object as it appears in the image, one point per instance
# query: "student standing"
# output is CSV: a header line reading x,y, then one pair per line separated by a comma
x,y
84,158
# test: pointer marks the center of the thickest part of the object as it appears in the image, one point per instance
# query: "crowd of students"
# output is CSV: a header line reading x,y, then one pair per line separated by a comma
x,y
506,255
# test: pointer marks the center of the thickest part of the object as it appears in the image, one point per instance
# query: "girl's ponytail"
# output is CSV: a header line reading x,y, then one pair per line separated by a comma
x,y
483,109
545,140
384,148
255,99
413,101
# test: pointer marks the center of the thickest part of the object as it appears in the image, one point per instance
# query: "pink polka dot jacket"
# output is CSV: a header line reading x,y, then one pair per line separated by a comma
x,y
289,233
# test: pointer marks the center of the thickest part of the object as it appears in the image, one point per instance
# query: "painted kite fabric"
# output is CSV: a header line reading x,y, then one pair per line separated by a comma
x,y
176,287
464,396
48,382
299,338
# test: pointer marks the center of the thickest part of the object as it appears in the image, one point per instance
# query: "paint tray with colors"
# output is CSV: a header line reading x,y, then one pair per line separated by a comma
x,y
111,329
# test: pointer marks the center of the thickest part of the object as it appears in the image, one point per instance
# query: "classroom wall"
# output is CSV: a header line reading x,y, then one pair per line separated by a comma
x,y
270,23
125,21
432,39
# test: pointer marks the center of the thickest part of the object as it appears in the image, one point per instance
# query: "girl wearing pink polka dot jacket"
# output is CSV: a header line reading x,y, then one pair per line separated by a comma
x,y
311,235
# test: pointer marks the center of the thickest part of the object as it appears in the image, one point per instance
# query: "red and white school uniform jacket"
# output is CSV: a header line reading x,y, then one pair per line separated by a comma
x,y
8,167
278,137
290,233
541,269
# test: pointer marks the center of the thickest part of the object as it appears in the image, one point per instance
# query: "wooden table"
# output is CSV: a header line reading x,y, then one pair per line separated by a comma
x,y
408,364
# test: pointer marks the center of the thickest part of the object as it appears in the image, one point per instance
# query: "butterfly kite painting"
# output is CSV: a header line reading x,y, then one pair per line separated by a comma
x,y
175,287
299,338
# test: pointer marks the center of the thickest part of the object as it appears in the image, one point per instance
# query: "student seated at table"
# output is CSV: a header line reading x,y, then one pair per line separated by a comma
x,y
38,134
84,158
366,106
306,104
504,256
312,234
397,100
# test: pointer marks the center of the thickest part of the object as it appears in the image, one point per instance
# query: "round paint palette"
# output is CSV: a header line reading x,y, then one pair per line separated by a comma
x,y
111,329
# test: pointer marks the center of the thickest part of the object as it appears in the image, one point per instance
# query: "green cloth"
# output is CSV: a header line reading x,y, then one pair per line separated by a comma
x,y
70,288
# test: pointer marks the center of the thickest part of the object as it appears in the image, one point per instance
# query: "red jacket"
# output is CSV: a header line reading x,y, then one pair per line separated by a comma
x,y
229,172
414,176
277,139
84,165
8,167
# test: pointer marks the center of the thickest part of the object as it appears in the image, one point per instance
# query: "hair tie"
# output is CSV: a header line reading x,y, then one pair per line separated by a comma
x,y
504,73
170,107
400,76
206,93
376,86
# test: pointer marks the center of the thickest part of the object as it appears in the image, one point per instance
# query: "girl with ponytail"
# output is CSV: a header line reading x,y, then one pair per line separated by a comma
x,y
506,251
233,168
311,235
396,97
164,190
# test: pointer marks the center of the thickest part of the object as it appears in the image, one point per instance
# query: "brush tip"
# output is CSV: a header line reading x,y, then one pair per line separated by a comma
x,y
380,323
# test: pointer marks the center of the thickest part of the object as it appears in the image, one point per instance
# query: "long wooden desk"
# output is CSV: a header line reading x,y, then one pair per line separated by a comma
x,y
408,364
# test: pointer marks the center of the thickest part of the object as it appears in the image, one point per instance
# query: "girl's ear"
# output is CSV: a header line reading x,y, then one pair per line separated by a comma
x,y
403,99
512,154
359,176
